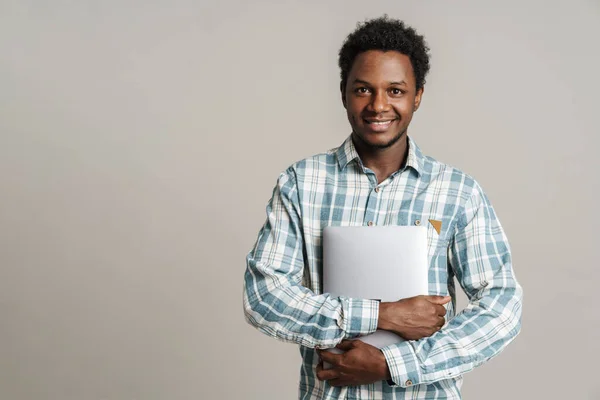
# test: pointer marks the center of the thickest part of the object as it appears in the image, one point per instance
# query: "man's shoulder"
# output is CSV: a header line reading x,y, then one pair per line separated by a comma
x,y
436,170
321,163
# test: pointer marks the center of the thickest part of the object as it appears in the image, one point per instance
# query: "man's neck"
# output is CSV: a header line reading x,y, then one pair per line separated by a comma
x,y
384,162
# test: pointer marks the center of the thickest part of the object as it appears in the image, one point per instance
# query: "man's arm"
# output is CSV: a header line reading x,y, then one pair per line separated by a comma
x,y
275,301
480,256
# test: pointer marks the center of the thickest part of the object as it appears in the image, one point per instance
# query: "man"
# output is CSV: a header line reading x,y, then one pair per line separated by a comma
x,y
379,176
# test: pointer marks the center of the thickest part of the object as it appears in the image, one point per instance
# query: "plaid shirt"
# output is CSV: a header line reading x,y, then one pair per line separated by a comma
x,y
283,290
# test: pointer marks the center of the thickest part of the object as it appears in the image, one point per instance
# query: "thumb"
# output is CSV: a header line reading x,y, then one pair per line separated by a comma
x,y
441,300
345,345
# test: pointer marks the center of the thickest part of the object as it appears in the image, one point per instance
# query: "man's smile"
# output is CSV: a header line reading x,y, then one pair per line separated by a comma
x,y
379,125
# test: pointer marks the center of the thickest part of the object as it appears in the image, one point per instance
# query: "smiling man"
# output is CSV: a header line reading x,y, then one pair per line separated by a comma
x,y
379,176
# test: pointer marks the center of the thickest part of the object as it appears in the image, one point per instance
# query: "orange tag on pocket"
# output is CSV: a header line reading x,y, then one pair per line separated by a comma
x,y
437,225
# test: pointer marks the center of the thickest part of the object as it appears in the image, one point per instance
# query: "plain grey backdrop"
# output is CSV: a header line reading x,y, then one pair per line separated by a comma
x,y
140,142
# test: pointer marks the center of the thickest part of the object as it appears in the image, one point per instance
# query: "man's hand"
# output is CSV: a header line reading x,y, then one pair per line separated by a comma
x,y
361,364
413,318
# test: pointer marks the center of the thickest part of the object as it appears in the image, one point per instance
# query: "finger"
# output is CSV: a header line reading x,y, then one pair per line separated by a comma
x,y
441,300
319,368
441,322
440,310
329,357
327,374
337,382
346,345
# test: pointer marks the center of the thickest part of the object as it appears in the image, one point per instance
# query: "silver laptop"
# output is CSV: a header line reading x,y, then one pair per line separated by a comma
x,y
388,263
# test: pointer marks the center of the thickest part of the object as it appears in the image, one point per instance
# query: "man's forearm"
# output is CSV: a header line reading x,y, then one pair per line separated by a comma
x,y
295,314
475,335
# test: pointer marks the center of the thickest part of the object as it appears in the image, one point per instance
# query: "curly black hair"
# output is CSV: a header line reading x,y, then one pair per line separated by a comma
x,y
385,34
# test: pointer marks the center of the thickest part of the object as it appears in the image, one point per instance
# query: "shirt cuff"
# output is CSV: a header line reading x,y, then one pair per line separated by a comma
x,y
360,317
403,364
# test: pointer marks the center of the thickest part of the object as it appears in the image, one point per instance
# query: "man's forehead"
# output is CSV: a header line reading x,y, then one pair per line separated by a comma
x,y
391,66
373,58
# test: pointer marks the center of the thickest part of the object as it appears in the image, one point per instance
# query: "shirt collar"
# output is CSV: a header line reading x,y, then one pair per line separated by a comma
x,y
346,153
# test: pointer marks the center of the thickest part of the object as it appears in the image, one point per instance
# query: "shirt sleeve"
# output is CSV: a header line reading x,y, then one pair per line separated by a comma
x,y
276,302
480,257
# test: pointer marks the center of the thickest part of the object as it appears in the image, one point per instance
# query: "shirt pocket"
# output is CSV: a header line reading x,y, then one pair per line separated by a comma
x,y
437,254
436,242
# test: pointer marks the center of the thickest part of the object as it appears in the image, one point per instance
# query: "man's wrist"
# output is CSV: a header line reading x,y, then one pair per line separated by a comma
x,y
382,319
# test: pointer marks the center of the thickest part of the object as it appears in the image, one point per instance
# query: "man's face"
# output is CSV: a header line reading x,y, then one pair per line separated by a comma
x,y
380,97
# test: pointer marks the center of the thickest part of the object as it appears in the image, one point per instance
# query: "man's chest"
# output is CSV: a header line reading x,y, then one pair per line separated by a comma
x,y
434,204
357,201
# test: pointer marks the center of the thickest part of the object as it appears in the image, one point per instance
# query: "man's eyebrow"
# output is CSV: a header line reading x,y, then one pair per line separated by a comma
x,y
361,81
368,84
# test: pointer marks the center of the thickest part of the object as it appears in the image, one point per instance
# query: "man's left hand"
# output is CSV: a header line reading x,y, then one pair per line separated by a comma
x,y
361,364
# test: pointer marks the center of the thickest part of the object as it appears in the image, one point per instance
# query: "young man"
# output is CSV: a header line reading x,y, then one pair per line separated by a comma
x,y
379,176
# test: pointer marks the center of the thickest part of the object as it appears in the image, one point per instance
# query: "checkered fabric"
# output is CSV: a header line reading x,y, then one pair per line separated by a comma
x,y
283,295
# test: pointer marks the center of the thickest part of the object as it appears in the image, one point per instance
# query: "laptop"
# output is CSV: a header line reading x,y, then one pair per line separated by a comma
x,y
387,263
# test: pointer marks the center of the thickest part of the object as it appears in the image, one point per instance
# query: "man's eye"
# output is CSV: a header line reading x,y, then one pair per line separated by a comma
x,y
396,91
362,90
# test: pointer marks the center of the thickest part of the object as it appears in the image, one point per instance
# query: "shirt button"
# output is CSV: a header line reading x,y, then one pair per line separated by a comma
x,y
418,222
377,190
370,223
408,382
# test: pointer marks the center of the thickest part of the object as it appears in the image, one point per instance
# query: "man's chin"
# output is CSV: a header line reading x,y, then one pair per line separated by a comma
x,y
379,141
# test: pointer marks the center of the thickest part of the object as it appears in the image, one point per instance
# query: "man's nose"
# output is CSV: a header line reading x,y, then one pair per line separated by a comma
x,y
380,102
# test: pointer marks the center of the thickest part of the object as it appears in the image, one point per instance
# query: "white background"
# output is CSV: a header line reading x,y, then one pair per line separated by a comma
x,y
140,142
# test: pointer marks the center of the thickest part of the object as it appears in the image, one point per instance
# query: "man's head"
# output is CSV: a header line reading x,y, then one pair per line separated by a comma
x,y
383,67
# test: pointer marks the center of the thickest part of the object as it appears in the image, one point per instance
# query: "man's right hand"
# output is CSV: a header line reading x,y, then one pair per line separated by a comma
x,y
415,317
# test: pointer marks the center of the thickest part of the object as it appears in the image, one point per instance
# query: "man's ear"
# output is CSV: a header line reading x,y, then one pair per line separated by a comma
x,y
418,97
343,93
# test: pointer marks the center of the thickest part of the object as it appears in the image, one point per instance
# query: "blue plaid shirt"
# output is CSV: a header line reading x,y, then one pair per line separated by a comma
x,y
283,294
